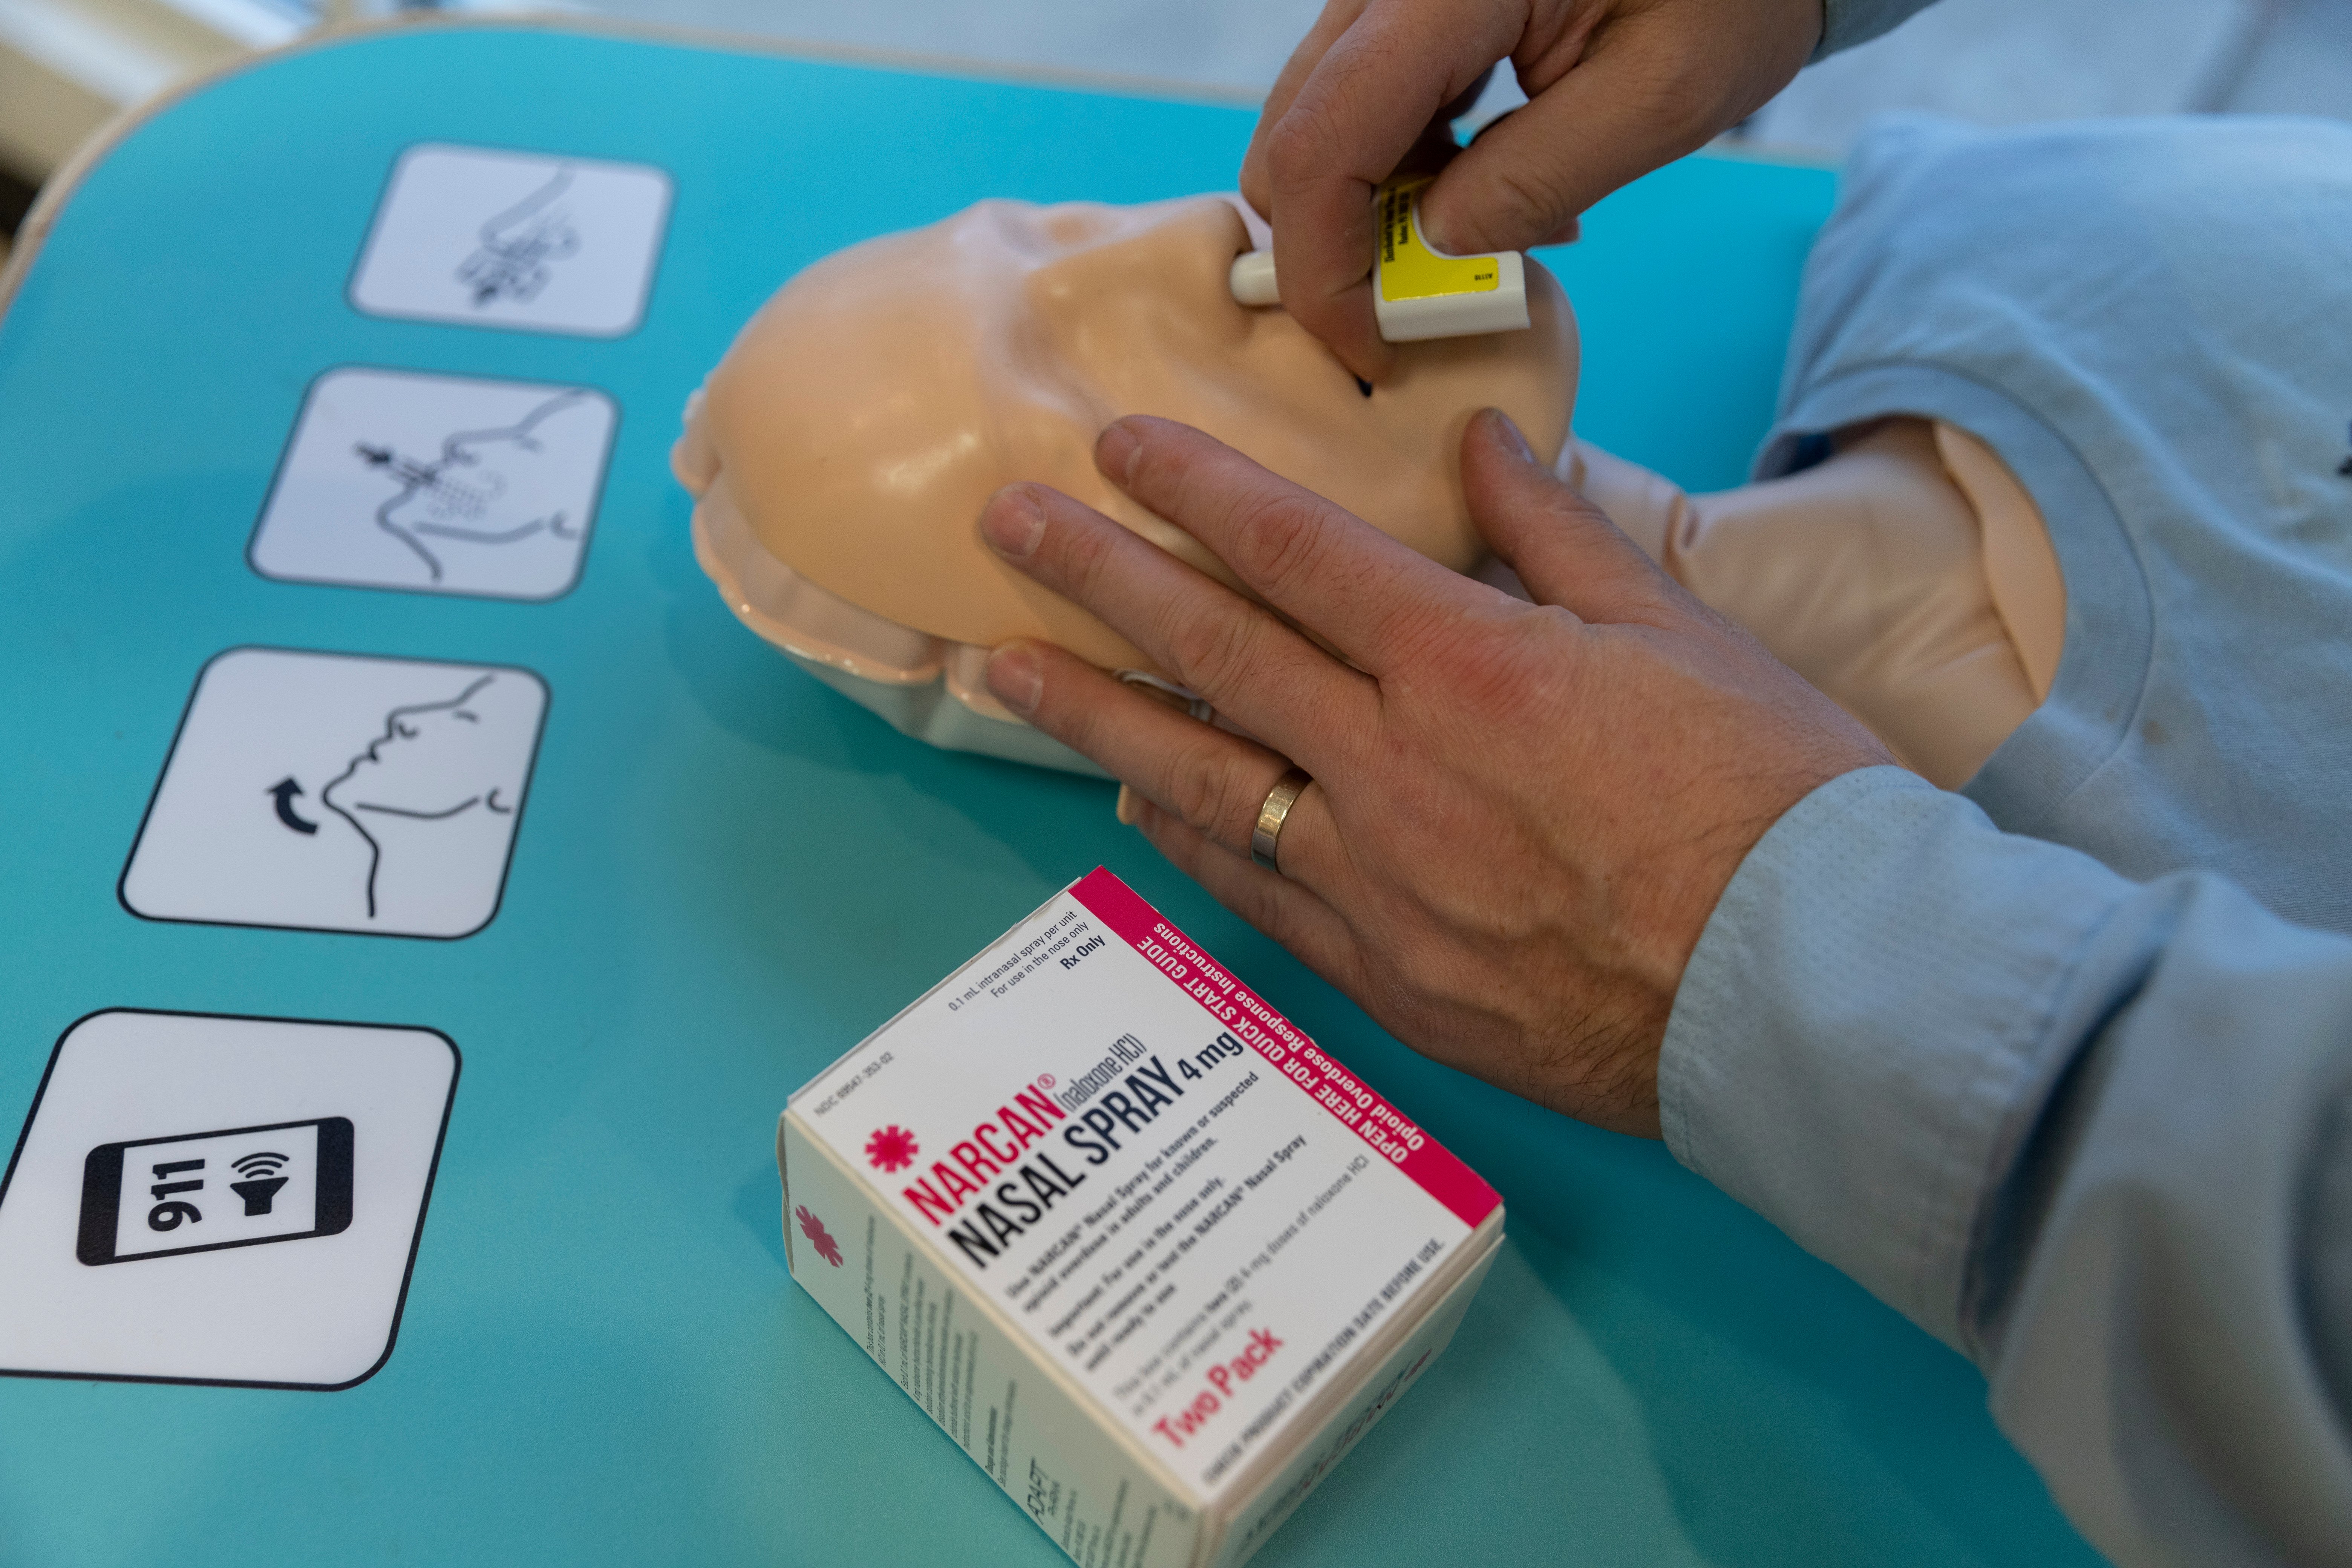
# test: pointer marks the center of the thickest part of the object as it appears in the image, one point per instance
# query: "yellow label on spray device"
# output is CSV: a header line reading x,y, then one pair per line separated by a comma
x,y
1410,269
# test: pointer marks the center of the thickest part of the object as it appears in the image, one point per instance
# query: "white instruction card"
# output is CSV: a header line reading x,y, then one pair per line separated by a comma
x,y
211,1199
330,792
437,484
487,237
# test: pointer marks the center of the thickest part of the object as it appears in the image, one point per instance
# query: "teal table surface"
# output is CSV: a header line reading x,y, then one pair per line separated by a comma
x,y
727,875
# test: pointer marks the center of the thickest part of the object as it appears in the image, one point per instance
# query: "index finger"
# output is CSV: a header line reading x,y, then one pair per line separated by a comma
x,y
1335,18
1369,98
1436,137
1332,573
1254,671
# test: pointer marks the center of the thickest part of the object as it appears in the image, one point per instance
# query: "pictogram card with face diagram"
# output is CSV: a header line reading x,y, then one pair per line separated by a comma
x,y
210,1199
329,791
489,237
439,484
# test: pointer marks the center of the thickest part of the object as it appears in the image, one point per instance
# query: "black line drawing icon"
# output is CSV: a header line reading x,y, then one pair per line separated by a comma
x,y
283,792
456,504
437,484
517,244
569,244
180,1184
262,1183
417,769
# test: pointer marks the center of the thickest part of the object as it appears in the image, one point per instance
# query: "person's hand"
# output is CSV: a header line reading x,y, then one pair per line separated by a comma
x,y
1522,814
1615,89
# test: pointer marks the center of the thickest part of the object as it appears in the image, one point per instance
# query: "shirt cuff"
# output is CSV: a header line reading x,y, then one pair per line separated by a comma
x,y
1870,1023
1845,23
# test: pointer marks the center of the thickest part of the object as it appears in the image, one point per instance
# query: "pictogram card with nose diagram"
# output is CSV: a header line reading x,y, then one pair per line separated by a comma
x,y
437,483
527,240
209,1199
329,791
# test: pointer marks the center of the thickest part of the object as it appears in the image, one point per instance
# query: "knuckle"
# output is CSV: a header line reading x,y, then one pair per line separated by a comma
x,y
1422,638
1200,788
1082,558
1210,649
1517,199
1066,714
1167,455
1281,919
1489,671
1172,468
1680,96
1582,512
1297,144
1279,540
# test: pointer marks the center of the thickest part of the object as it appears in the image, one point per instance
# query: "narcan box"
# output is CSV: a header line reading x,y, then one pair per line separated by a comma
x,y
1154,1258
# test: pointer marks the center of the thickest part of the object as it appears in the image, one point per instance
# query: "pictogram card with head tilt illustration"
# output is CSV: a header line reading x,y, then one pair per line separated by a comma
x,y
487,237
327,792
438,484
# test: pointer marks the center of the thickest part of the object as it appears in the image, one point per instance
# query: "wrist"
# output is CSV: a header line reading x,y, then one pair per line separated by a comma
x,y
1870,1004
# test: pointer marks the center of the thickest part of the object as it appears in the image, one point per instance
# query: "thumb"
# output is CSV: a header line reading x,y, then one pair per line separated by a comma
x,y
1651,86
1563,547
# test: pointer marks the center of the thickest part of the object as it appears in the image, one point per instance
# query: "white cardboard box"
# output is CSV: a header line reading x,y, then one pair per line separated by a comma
x,y
1152,1258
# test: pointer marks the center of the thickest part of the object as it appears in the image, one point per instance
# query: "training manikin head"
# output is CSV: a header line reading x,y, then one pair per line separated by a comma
x,y
863,417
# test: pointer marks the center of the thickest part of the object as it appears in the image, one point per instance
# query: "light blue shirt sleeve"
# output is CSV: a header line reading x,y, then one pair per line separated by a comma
x,y
2097,1134
1845,23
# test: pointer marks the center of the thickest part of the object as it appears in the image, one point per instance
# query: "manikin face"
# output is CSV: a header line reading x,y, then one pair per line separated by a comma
x,y
864,416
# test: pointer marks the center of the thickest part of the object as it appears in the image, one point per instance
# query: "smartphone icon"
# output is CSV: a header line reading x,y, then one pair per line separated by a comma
x,y
201,1192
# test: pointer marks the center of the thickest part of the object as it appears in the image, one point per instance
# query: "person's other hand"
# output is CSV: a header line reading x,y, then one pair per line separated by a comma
x,y
1522,814
1616,88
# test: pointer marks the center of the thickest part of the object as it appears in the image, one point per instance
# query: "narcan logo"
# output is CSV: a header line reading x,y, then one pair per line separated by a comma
x,y
893,1148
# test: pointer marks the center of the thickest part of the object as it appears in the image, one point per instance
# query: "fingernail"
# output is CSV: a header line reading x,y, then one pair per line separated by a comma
x,y
1012,522
1115,451
1129,810
1436,219
1016,677
1502,425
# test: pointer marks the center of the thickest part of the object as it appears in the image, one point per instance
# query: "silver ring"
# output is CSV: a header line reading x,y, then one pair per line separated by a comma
x,y
1180,697
1266,839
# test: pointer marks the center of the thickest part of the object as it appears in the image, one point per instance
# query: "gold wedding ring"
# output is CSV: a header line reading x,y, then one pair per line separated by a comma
x,y
1266,839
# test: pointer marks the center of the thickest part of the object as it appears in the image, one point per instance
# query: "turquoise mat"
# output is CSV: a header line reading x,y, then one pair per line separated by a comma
x,y
727,875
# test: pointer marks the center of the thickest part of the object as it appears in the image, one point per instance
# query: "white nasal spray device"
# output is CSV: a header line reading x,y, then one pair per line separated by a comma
x,y
1418,290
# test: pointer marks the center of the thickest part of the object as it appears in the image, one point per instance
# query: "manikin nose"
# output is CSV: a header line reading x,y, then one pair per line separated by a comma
x,y
1181,252
1075,226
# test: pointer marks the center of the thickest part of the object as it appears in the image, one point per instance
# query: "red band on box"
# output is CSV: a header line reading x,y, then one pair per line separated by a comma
x,y
1289,1051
